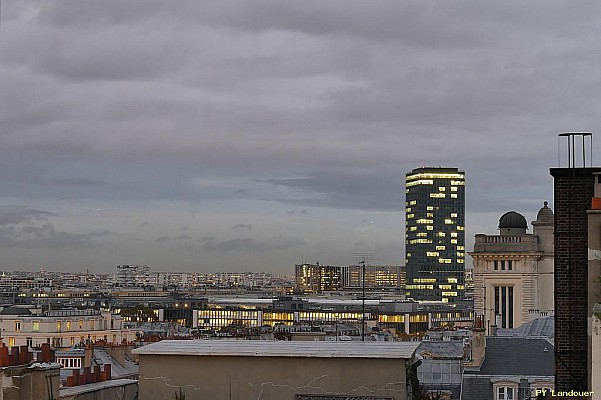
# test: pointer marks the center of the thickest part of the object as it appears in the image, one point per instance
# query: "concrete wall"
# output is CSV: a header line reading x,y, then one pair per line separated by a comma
x,y
36,382
268,378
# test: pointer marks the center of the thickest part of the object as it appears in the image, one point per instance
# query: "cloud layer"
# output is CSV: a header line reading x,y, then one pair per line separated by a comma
x,y
281,109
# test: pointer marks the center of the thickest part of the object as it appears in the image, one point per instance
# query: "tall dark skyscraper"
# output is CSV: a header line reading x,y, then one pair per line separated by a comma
x,y
434,234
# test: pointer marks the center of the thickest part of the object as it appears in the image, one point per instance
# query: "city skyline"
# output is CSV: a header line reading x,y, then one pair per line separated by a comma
x,y
254,136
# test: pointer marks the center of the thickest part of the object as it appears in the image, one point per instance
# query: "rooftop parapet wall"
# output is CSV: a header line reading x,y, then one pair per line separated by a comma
x,y
119,389
501,243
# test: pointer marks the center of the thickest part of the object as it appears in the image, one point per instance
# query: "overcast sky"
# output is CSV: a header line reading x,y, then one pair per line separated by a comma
x,y
253,135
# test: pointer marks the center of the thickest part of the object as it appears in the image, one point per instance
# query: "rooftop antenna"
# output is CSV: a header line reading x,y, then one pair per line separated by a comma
x,y
362,259
571,142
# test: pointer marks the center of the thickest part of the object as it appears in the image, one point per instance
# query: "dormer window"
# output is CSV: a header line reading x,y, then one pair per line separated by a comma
x,y
505,393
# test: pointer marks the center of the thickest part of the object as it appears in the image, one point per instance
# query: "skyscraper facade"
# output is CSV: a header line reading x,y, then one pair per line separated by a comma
x,y
434,234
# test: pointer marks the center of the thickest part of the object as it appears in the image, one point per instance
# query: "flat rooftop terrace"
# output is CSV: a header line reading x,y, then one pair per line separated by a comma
x,y
269,348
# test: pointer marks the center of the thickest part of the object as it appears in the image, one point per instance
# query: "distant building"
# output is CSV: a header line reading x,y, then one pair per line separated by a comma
x,y
276,370
315,278
176,279
434,234
376,276
513,271
133,276
25,284
61,328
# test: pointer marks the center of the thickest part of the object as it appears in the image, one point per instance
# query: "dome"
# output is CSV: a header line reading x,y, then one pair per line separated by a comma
x,y
545,214
512,219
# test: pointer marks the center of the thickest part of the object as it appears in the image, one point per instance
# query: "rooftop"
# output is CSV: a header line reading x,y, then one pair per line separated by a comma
x,y
512,219
441,349
93,387
260,348
518,356
541,327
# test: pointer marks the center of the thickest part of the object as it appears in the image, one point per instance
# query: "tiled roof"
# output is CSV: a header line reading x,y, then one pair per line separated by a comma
x,y
518,356
476,387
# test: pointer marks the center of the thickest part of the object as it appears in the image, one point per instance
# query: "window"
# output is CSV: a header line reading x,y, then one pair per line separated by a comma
x,y
35,326
505,393
504,305
510,265
68,325
59,326
17,326
11,342
81,324
29,341
436,373
495,265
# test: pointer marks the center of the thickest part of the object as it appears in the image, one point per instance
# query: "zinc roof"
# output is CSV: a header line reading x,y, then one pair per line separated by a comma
x,y
269,348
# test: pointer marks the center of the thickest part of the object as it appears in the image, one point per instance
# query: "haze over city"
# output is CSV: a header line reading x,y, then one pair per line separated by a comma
x,y
250,136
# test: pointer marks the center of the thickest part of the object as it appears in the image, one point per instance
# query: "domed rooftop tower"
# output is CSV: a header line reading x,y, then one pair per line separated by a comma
x,y
545,215
512,224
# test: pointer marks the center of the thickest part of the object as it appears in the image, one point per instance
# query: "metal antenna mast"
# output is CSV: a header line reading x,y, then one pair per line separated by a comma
x,y
362,259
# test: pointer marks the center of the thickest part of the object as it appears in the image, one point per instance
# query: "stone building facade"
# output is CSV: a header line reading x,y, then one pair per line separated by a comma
x,y
513,271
